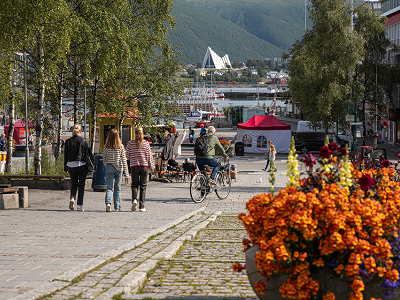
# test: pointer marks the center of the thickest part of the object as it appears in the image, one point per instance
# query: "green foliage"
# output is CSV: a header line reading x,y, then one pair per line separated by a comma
x,y
236,112
197,29
322,63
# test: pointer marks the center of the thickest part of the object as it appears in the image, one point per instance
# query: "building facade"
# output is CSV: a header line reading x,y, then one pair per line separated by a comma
x,y
391,10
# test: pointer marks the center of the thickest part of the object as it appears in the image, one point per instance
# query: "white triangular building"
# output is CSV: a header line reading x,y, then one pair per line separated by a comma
x,y
213,61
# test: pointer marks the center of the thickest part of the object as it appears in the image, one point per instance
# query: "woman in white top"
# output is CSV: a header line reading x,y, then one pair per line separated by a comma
x,y
114,159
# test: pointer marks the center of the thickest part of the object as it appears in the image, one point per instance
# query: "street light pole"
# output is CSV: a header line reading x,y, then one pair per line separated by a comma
x,y
26,118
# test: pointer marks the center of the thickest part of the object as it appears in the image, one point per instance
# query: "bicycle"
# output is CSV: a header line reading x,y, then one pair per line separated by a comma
x,y
200,187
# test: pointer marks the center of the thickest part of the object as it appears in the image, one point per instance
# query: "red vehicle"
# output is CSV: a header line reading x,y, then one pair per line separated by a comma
x,y
366,153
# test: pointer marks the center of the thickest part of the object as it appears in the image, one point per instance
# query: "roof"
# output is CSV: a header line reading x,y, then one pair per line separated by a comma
x,y
213,61
264,123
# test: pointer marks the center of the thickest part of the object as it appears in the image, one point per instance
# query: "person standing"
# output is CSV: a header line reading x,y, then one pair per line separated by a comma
x,y
75,153
3,142
191,135
202,130
114,158
141,162
270,155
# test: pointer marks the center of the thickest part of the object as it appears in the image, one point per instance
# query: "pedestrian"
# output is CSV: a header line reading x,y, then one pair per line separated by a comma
x,y
3,142
270,155
76,153
202,130
114,158
141,162
191,135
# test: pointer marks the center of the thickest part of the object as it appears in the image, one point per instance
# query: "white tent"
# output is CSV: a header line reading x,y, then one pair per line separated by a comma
x,y
256,132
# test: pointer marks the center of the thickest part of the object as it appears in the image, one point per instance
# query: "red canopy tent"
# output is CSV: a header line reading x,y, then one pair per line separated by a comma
x,y
256,132
264,123
19,131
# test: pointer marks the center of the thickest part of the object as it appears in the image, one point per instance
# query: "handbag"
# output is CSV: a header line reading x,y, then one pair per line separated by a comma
x,y
89,160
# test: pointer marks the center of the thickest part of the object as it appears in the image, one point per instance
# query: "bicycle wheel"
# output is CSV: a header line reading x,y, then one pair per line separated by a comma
x,y
223,188
198,188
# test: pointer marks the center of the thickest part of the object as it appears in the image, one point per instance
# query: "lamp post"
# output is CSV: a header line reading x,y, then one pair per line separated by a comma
x,y
356,109
26,119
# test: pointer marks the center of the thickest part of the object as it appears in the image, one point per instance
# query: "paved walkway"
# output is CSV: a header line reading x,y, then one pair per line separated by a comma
x,y
46,247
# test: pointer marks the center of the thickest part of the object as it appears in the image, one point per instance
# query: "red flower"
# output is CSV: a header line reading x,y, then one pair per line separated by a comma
x,y
385,163
324,152
343,151
333,147
366,182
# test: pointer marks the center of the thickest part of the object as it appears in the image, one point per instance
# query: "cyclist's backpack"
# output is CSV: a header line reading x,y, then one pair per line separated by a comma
x,y
200,146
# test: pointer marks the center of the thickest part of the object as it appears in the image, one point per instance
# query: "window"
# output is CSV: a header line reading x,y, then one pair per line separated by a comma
x,y
246,140
262,142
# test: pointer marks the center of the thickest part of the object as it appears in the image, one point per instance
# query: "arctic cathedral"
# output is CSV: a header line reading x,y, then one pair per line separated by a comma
x,y
213,61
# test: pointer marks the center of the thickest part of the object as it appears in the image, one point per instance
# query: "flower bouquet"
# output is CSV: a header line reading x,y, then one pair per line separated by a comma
x,y
225,144
336,224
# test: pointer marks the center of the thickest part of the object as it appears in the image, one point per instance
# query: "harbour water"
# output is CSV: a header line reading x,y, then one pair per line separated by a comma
x,y
247,103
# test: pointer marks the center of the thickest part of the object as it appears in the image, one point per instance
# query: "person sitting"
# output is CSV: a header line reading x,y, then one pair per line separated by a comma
x,y
172,162
189,167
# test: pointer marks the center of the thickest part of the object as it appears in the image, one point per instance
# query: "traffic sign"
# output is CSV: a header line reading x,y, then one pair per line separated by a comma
x,y
67,115
356,123
67,109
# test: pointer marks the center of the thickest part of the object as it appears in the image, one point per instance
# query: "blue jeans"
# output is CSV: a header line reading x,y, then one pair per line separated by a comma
x,y
113,179
212,162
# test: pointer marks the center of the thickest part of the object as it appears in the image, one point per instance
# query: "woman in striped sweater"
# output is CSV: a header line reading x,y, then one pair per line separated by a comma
x,y
114,159
141,162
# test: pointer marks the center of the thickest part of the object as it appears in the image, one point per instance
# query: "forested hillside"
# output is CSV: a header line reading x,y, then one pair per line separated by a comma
x,y
243,29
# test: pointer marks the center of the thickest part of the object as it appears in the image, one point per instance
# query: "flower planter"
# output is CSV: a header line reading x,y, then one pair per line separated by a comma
x,y
340,288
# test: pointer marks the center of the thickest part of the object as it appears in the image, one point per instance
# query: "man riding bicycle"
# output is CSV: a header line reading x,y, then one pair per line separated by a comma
x,y
213,146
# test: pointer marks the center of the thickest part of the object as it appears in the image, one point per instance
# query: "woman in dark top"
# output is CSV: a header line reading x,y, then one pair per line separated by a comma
x,y
75,153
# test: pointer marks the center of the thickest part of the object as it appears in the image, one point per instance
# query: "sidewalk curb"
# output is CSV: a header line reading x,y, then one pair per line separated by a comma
x,y
136,278
65,279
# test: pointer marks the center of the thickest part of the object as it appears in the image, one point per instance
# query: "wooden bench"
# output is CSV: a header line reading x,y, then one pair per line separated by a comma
x,y
35,177
53,182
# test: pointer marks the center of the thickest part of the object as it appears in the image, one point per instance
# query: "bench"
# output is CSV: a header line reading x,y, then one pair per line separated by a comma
x,y
53,182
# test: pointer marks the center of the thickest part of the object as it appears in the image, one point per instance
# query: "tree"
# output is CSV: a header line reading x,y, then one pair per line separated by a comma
x,y
322,64
376,74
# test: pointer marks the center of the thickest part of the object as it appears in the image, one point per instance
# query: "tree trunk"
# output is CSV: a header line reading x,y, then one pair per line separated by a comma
x,y
333,127
76,92
121,121
59,102
94,113
375,143
10,134
39,122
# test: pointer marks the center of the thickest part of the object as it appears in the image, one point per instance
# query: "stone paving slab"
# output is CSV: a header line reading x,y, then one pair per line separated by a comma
x,y
54,242
201,269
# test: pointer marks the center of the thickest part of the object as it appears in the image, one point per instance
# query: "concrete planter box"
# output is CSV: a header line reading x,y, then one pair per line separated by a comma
x,y
49,184
340,288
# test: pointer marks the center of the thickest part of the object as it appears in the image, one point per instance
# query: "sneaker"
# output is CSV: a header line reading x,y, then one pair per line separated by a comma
x,y
134,205
118,209
80,208
211,181
142,209
108,207
264,169
71,204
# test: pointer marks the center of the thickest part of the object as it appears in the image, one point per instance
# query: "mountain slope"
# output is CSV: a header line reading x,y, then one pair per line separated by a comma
x,y
279,22
197,29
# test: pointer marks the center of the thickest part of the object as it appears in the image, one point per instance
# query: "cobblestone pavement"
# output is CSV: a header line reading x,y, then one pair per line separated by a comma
x,y
47,247
192,260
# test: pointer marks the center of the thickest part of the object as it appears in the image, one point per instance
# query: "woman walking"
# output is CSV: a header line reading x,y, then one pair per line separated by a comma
x,y
270,155
114,158
76,151
141,161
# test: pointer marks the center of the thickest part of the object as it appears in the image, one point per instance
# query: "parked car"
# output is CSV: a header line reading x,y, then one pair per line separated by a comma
x,y
366,153
308,141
